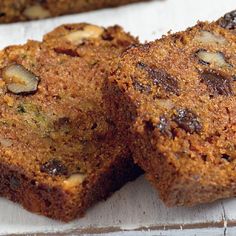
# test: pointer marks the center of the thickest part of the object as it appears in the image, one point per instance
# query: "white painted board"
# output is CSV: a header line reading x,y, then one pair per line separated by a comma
x,y
136,206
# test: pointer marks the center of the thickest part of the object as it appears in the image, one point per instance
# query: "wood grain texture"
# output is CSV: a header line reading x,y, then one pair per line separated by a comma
x,y
135,210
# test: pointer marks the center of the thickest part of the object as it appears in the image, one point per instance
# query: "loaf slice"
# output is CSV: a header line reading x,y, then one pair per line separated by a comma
x,y
15,10
178,95
59,150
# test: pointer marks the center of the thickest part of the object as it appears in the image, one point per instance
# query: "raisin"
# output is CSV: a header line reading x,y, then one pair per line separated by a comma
x,y
161,78
229,20
68,52
141,65
226,157
2,14
188,121
164,126
164,80
203,157
54,167
149,126
217,83
141,87
70,27
107,35
94,126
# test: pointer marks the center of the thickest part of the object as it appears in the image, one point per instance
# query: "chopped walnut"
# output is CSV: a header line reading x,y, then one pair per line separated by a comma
x,y
216,58
19,80
36,12
206,37
89,32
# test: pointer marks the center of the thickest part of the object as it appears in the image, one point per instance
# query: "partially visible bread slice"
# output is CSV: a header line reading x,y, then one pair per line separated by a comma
x,y
59,150
178,96
15,10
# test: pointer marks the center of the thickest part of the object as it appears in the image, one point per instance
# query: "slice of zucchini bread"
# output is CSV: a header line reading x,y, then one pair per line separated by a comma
x,y
178,95
59,150
23,10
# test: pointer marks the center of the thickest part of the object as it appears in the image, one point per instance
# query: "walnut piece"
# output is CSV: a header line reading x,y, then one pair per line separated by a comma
x,y
206,37
216,58
74,180
36,12
89,32
5,142
19,80
165,103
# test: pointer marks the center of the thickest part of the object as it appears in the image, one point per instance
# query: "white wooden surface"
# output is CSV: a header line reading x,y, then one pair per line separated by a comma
x,y
136,206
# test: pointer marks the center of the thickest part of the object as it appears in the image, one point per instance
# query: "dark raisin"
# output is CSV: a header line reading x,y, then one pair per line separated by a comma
x,y
2,14
217,83
141,65
14,182
164,126
161,78
188,121
164,80
70,27
66,51
141,87
229,20
124,43
226,157
54,167
204,157
149,126
107,35
94,126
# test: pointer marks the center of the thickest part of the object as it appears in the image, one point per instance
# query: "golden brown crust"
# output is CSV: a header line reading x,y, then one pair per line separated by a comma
x,y
58,146
14,10
178,96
